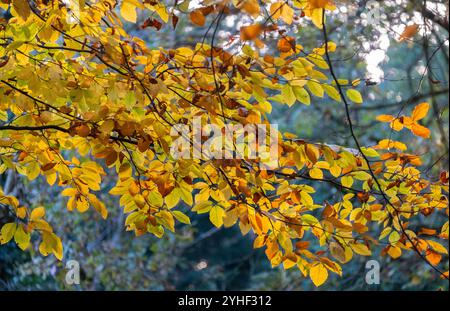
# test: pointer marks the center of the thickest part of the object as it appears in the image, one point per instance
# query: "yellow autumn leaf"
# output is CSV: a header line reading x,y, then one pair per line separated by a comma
x,y
316,173
315,87
288,95
128,11
314,4
437,247
173,198
202,207
388,144
22,238
22,8
37,213
7,232
287,14
394,237
302,95
332,92
354,96
361,249
318,274
21,212
394,251
276,9
181,217
317,17
216,215
347,181
68,192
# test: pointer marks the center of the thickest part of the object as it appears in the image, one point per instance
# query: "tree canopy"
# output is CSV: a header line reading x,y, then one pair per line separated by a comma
x,y
82,98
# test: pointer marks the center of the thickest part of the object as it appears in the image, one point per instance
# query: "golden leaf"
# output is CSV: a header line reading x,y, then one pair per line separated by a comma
x,y
250,32
128,11
420,111
318,274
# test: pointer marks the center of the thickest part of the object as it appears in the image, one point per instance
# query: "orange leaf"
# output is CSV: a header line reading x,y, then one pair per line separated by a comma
x,y
275,9
251,7
385,118
397,125
37,213
316,4
48,166
427,231
433,257
420,130
286,44
250,32
394,251
197,17
409,32
420,111
83,130
407,121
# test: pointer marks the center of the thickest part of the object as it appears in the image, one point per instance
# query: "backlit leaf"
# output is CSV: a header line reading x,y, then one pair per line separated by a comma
x,y
318,274
354,96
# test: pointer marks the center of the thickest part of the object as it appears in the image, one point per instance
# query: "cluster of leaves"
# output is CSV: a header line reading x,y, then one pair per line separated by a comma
x,y
26,223
79,95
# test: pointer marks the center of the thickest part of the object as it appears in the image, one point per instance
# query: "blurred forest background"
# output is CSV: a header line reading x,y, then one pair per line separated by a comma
x,y
395,75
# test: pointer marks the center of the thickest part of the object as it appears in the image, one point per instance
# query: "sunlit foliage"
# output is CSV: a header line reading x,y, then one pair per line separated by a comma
x,y
79,96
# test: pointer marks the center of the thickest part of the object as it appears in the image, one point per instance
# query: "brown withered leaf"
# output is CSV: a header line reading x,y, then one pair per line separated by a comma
x,y
151,22
48,166
174,21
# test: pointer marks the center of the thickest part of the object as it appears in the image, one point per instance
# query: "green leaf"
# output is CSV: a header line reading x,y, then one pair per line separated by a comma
x,y
369,152
394,237
130,100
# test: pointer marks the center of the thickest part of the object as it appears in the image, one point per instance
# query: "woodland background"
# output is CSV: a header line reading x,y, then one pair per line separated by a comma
x,y
202,257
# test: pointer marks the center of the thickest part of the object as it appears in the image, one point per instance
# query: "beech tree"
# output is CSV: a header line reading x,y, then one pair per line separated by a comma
x,y
80,96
